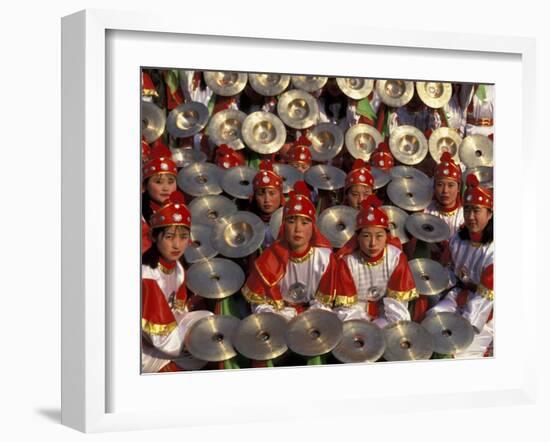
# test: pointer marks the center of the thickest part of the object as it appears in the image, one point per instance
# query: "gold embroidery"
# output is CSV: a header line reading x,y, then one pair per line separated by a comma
x,y
157,329
180,306
265,279
303,258
165,269
404,296
451,213
323,299
485,292
256,298
373,263
345,301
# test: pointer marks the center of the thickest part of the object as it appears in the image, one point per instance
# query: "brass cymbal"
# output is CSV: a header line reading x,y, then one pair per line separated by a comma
x,y
411,195
362,341
396,220
269,84
208,209
275,222
184,157
476,150
308,83
189,362
381,178
327,140
238,181
187,119
430,277
225,83
289,174
153,121
263,132
356,88
395,93
408,145
450,332
314,332
261,336
238,235
407,341
337,223
325,177
298,109
211,338
484,175
200,179
434,94
410,173
362,140
225,127
427,227
216,278
200,247
444,139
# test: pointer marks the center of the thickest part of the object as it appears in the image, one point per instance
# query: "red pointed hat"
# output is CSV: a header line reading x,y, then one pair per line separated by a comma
x,y
360,174
299,202
476,195
370,214
145,151
160,161
266,177
382,158
148,88
299,152
447,168
174,212
226,158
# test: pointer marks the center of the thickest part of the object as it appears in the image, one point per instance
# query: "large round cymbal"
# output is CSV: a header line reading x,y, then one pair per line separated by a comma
x,y
484,175
314,332
199,179
238,181
226,83
444,139
200,248
216,278
153,121
225,127
261,336
434,94
337,223
269,84
410,173
381,178
308,83
408,145
325,177
189,362
327,140
411,195
362,140
427,227
275,222
356,88
450,332
362,341
407,341
430,277
209,209
298,109
396,220
476,150
289,174
263,132
187,119
211,338
184,157
395,93
238,235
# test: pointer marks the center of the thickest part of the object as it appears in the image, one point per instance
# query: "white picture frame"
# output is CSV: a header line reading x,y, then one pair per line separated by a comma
x,y
89,211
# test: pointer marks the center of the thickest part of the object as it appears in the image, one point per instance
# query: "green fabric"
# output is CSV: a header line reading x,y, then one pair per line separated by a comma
x,y
171,77
364,108
211,104
481,92
254,160
316,360
441,356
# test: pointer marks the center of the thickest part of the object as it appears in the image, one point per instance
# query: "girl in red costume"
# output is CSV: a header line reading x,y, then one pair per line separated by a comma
x,y
359,184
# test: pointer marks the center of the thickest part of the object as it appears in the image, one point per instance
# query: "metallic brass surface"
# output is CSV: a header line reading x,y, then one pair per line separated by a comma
x,y
238,181
269,84
314,332
444,139
200,179
407,341
298,109
430,277
200,248
337,223
211,338
289,174
396,220
434,94
153,121
238,235
409,194
356,88
361,140
476,150
225,127
450,332
263,132
216,278
327,140
362,341
207,210
225,83
261,336
408,145
427,227
325,177
395,93
308,83
187,119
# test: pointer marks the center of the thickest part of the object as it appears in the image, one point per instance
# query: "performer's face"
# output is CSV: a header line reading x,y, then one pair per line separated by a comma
x,y
476,218
302,167
172,242
298,232
446,192
268,199
357,193
160,186
372,240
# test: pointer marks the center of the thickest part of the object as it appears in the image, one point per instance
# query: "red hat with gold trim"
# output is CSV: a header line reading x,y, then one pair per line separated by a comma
x,y
266,177
370,214
382,158
299,152
476,195
359,175
226,158
145,151
447,168
160,161
299,202
148,88
174,212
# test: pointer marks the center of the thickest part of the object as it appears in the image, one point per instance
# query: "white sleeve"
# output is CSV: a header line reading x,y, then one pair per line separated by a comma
x,y
447,304
395,310
351,312
477,310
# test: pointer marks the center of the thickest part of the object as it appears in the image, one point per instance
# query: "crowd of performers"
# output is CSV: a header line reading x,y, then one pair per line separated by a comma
x,y
369,277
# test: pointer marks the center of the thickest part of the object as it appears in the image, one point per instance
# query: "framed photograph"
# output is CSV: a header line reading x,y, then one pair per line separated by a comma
x,y
127,79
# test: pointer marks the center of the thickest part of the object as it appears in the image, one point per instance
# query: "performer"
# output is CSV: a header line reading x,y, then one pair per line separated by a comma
x,y
359,184
374,279
472,263
165,318
299,155
299,263
382,157
479,117
226,157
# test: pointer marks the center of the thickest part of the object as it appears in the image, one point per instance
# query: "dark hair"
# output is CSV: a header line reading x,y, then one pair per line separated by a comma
x,y
146,210
152,255
486,237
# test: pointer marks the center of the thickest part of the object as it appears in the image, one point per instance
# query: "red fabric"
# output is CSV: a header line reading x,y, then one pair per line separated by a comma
x,y
421,306
145,151
173,212
299,153
447,168
147,86
327,284
170,368
159,161
360,174
462,298
155,308
370,214
146,242
381,117
382,158
173,98
365,120
476,195
223,103
487,277
266,177
372,309
226,158
401,279
345,285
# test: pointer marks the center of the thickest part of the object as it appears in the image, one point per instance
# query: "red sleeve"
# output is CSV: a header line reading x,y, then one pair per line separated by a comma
x,y
156,316
325,291
485,287
256,291
401,283
146,242
346,292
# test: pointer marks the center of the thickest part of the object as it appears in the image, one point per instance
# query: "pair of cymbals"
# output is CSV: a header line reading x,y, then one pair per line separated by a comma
x,y
263,132
428,228
484,174
451,332
408,145
298,109
211,338
261,336
337,224
476,150
308,83
362,140
314,332
153,121
208,209
444,139
269,85
216,278
410,173
406,341
356,88
396,221
200,179
430,277
200,248
410,194
395,93
238,235
187,119
362,341
225,127
238,181
225,83
434,94
327,140
184,157
325,177
289,175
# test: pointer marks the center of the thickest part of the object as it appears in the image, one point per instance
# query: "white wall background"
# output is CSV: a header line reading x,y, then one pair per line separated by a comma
x,y
30,221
